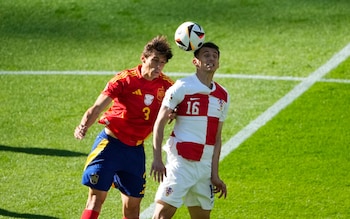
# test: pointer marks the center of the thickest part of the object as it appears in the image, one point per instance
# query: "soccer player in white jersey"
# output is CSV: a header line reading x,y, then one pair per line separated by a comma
x,y
191,174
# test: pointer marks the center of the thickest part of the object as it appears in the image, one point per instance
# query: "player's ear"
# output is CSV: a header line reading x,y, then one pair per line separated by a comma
x,y
143,59
195,61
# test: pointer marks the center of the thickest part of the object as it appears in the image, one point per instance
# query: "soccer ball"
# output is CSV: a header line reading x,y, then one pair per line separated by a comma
x,y
189,36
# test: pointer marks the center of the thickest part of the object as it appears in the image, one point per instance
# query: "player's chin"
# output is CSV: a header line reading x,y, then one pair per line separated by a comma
x,y
155,75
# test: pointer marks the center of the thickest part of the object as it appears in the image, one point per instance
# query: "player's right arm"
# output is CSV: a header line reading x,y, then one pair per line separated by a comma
x,y
158,169
91,115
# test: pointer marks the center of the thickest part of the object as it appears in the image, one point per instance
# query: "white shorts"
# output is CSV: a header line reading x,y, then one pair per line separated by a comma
x,y
187,182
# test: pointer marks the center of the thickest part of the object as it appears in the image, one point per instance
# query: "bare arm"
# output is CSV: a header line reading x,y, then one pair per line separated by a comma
x,y
91,115
158,169
219,185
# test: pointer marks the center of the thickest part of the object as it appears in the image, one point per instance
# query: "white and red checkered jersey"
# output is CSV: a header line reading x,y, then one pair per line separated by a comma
x,y
199,111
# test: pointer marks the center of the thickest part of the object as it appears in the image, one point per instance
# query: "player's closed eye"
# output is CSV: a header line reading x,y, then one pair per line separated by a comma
x,y
158,62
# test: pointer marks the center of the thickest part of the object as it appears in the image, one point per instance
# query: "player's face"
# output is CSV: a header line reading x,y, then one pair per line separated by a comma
x,y
207,60
153,65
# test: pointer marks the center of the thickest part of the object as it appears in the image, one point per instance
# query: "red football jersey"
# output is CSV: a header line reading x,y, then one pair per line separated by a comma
x,y
136,102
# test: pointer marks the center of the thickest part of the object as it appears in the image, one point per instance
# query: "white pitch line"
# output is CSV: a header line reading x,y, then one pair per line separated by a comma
x,y
271,112
27,72
176,74
345,81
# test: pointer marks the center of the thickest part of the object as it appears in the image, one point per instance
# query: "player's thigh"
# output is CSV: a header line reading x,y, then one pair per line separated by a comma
x,y
99,170
131,206
130,184
130,178
96,199
175,185
130,201
197,212
201,194
163,210
97,177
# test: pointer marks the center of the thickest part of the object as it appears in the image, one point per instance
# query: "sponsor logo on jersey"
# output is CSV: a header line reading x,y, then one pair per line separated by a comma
x,y
194,98
137,92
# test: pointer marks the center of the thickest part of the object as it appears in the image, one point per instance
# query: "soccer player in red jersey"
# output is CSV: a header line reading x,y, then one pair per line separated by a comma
x,y
191,174
117,156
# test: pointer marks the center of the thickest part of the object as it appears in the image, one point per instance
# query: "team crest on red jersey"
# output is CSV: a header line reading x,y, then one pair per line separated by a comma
x,y
148,99
160,94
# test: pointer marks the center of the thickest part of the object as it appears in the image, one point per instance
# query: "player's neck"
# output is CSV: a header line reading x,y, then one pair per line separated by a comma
x,y
205,78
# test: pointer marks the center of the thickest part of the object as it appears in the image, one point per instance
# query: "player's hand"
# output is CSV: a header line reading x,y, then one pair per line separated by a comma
x,y
172,115
219,187
80,131
158,171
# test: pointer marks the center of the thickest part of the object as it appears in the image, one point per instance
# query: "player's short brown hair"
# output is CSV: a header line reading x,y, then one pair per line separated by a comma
x,y
160,44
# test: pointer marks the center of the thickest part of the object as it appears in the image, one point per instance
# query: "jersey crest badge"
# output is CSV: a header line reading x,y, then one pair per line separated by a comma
x,y
94,178
160,94
148,99
168,191
221,104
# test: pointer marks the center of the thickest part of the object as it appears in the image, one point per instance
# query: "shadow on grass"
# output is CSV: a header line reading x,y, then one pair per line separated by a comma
x,y
42,151
7,213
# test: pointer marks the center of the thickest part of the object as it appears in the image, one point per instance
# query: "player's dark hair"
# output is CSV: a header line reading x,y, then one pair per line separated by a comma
x,y
208,45
160,44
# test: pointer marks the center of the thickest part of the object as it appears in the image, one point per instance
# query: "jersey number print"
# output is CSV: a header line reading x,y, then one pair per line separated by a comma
x,y
195,105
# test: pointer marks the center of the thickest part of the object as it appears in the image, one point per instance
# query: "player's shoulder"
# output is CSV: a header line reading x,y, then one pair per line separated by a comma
x,y
221,91
166,78
124,74
219,86
184,85
186,80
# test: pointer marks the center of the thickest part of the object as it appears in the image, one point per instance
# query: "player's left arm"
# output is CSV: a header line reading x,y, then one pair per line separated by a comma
x,y
219,185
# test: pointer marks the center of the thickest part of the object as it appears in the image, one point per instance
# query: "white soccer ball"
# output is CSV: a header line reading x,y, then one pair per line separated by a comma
x,y
189,36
